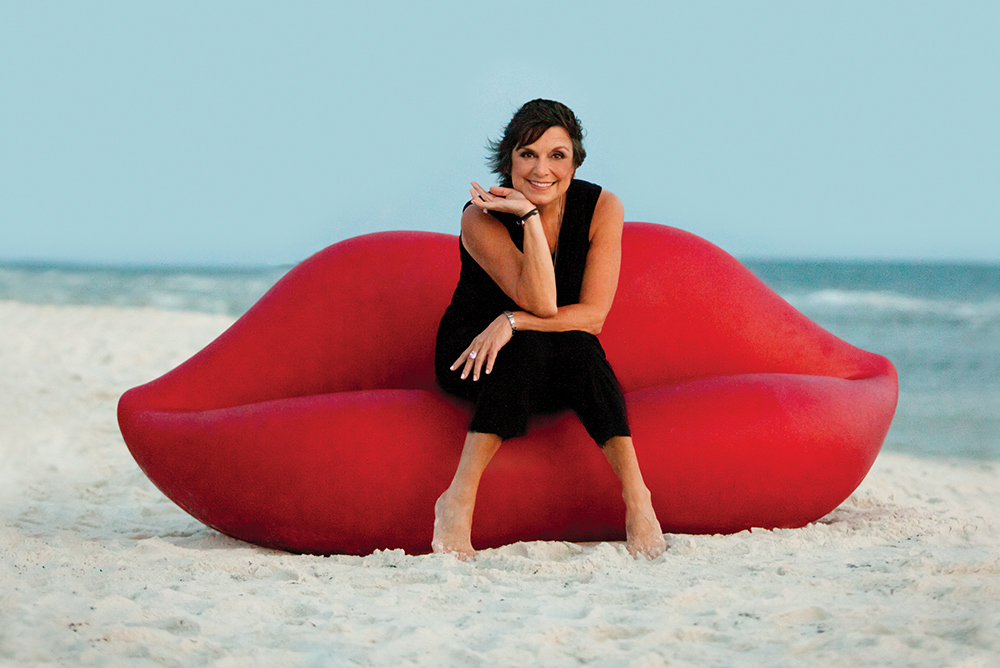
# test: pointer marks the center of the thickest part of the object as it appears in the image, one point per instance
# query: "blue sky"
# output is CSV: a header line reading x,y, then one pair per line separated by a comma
x,y
257,133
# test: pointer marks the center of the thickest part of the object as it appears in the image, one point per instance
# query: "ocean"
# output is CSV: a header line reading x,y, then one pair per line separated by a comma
x,y
938,323
940,326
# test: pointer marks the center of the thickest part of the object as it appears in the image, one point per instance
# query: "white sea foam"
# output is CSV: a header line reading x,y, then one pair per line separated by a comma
x,y
875,303
226,291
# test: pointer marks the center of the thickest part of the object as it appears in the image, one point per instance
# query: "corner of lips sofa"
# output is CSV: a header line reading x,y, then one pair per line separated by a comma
x,y
729,453
686,308
359,314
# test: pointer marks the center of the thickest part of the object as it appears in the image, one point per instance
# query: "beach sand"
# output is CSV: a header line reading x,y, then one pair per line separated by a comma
x,y
97,568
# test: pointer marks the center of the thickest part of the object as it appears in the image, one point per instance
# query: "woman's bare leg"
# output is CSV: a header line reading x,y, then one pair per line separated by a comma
x,y
453,510
642,530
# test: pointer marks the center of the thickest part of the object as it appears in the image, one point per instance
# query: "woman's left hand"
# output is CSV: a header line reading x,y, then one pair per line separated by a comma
x,y
497,198
482,352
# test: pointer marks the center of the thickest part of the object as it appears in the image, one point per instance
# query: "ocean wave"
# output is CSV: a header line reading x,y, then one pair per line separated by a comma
x,y
959,296
229,292
897,306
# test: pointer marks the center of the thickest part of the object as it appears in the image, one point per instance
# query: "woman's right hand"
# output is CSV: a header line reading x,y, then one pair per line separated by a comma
x,y
482,352
497,198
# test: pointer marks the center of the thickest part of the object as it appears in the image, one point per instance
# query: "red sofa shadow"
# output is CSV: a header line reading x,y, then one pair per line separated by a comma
x,y
314,423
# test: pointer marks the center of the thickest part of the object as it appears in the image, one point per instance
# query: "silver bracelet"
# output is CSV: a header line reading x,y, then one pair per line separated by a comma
x,y
513,325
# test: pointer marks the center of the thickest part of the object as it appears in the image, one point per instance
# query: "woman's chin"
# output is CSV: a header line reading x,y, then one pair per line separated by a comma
x,y
541,197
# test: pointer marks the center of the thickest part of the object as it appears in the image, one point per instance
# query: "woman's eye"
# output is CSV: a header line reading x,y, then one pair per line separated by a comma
x,y
558,156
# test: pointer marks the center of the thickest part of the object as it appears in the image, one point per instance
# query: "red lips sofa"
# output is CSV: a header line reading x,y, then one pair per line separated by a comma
x,y
314,423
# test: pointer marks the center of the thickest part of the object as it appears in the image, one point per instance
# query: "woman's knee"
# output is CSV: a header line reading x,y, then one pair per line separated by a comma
x,y
579,351
525,351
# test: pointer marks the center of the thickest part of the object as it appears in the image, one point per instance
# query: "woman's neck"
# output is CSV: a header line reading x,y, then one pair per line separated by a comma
x,y
553,211
551,215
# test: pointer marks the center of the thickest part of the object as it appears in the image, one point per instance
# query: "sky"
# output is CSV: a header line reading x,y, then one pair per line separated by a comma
x,y
257,133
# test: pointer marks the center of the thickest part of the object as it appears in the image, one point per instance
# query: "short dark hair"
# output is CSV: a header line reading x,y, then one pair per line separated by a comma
x,y
528,124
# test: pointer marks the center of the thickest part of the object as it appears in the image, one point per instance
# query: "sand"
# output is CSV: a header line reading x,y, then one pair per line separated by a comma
x,y
97,568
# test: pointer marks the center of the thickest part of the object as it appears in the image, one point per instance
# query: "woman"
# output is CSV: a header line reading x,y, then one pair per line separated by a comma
x,y
540,260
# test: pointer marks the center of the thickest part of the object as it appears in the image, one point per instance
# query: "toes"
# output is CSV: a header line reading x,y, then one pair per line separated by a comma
x,y
644,538
450,536
650,550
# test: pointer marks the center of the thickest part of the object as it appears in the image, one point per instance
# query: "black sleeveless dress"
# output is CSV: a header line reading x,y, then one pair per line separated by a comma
x,y
536,371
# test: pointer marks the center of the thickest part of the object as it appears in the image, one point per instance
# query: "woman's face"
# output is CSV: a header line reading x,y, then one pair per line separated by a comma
x,y
542,171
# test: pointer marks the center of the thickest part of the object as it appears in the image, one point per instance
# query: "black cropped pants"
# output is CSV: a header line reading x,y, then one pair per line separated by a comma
x,y
537,372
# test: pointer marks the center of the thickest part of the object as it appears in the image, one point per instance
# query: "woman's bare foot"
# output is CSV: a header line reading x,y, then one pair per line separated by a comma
x,y
453,509
452,528
643,535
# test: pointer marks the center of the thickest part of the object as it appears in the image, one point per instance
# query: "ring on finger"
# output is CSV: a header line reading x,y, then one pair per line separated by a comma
x,y
472,355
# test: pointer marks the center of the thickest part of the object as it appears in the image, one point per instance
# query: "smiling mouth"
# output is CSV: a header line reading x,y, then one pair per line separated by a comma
x,y
542,184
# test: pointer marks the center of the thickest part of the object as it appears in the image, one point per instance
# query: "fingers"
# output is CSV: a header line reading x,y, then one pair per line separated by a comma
x,y
484,200
474,361
480,195
496,195
482,352
478,367
470,362
490,359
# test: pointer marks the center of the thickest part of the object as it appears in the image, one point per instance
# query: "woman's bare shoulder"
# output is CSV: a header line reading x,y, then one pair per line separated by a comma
x,y
609,214
609,203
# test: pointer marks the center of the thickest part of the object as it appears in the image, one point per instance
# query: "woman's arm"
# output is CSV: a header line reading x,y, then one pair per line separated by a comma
x,y
600,281
600,277
527,277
